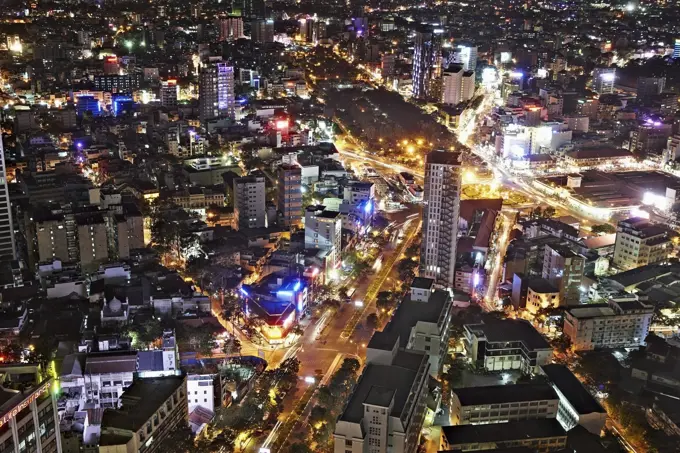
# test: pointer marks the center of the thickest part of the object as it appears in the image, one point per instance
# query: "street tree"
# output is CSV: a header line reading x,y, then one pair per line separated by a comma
x,y
372,321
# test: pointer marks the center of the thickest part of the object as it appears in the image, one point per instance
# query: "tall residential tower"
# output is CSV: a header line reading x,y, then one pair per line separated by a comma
x,y
216,90
440,217
427,61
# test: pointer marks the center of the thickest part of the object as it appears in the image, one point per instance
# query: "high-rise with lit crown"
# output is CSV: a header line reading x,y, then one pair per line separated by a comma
x,y
216,91
7,243
440,217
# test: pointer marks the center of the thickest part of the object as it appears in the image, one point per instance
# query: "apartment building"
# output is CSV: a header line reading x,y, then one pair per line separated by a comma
x,y
249,202
289,201
502,403
617,324
152,408
386,410
541,295
51,237
577,406
420,323
92,239
507,344
640,242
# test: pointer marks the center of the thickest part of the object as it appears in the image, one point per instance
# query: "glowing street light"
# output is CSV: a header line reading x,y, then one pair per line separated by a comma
x,y
129,44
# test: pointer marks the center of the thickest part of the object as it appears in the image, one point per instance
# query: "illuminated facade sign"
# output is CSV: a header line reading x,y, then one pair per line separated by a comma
x,y
8,416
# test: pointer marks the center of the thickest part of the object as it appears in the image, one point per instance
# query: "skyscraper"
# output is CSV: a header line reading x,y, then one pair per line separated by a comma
x,y
648,87
230,28
426,61
458,85
7,243
249,202
676,48
440,217
216,91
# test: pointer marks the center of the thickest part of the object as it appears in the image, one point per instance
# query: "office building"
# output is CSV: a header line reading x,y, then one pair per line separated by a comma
x,y
466,55
640,242
249,202
502,403
323,231
28,411
386,410
230,28
648,87
168,94
116,83
7,241
290,194
506,345
309,30
216,91
256,9
87,104
603,80
262,30
152,408
426,61
577,406
440,217
617,324
541,435
676,48
420,323
564,269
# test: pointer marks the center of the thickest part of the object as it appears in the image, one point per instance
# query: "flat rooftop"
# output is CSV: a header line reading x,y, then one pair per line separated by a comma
x,y
443,158
406,316
140,401
592,311
572,389
499,331
380,383
497,394
504,432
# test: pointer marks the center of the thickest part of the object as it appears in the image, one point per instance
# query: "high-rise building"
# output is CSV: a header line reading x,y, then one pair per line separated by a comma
x,y
440,217
231,28
216,91
603,80
168,93
323,231
290,194
249,202
650,137
676,48
426,61
388,66
467,56
309,30
7,242
648,87
262,30
256,9
458,85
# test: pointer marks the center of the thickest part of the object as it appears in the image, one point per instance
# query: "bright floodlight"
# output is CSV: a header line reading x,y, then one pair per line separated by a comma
x,y
630,7
608,77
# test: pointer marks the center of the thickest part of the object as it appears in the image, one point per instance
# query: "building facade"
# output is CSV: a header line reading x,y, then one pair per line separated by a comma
x,y
426,62
7,242
614,325
216,92
640,242
323,231
290,194
249,202
440,217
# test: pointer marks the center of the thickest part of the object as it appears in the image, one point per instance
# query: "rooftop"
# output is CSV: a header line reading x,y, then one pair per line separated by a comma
x,y
422,283
140,401
377,381
442,157
494,394
498,331
406,316
503,432
571,388
542,286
